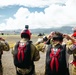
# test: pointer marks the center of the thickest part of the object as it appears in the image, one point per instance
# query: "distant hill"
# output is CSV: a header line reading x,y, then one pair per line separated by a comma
x,y
64,29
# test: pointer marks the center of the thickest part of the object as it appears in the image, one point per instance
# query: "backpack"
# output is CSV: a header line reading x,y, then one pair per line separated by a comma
x,y
56,59
22,55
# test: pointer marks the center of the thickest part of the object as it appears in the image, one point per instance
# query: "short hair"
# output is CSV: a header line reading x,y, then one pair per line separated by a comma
x,y
25,36
58,36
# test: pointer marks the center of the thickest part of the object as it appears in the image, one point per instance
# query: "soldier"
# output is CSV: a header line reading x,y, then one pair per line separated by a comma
x,y
4,46
25,53
54,59
72,50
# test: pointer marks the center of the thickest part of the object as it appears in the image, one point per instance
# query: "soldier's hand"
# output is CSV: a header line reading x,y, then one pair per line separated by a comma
x,y
2,39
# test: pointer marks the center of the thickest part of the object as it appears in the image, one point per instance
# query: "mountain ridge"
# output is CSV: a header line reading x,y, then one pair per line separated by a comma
x,y
64,29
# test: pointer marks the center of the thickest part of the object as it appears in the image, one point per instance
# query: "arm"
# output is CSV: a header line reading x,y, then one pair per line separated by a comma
x,y
69,38
4,46
39,40
40,47
35,53
1,39
71,47
50,36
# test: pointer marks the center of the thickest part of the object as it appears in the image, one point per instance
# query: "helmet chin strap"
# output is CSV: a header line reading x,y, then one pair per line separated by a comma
x,y
56,43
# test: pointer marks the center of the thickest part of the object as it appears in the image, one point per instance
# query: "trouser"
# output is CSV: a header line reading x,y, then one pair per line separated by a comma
x,y
32,72
73,69
66,72
1,68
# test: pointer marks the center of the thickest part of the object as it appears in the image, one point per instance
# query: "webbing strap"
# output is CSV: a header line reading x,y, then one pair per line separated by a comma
x,y
54,59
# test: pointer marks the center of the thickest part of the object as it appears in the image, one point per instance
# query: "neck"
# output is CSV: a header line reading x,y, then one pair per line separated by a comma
x,y
25,39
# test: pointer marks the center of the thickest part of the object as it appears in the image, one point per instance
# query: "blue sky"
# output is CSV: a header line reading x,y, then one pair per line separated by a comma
x,y
37,13
8,11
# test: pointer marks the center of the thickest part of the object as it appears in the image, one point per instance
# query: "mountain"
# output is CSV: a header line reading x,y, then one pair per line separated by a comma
x,y
64,29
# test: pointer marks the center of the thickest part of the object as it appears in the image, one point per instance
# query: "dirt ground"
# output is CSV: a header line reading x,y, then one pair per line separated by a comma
x,y
7,58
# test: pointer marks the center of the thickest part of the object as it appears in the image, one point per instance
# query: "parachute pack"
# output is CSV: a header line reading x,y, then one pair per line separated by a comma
x,y
56,59
22,55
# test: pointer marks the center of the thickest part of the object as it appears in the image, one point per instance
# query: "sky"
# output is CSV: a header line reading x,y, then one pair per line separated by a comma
x,y
15,14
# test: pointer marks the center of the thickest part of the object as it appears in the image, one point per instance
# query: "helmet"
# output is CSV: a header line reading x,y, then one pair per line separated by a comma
x,y
74,29
26,33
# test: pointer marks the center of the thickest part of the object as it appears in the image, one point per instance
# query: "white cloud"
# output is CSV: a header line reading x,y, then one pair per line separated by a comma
x,y
53,16
2,26
31,3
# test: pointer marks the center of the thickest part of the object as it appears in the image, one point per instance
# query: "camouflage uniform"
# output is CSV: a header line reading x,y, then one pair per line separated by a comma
x,y
35,56
41,44
41,47
1,68
3,47
72,50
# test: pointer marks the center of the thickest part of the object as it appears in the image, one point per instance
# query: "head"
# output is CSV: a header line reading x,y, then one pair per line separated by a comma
x,y
57,37
26,34
74,35
74,29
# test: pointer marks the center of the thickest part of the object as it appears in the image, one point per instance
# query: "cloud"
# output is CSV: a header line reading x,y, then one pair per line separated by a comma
x,y
2,26
31,3
1,15
53,16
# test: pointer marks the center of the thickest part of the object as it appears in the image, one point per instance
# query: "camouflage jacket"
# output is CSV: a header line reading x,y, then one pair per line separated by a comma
x,y
4,46
71,49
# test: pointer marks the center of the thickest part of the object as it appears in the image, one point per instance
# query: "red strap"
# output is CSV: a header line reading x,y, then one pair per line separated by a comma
x,y
54,59
57,64
52,63
21,52
18,55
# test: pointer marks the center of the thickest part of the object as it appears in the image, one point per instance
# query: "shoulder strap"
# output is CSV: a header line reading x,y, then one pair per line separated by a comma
x,y
48,50
64,46
29,42
17,44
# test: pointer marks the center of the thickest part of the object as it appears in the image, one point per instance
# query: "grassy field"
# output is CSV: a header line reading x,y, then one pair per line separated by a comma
x,y
7,58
